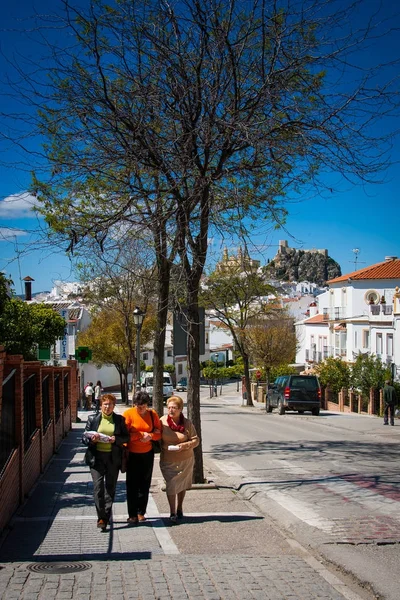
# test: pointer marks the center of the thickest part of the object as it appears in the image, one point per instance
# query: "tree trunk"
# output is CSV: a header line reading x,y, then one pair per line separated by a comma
x,y
246,365
193,394
159,341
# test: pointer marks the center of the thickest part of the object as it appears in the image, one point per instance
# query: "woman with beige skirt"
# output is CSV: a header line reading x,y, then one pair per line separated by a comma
x,y
179,438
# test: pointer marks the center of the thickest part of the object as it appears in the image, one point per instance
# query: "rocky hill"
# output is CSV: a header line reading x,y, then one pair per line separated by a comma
x,y
302,265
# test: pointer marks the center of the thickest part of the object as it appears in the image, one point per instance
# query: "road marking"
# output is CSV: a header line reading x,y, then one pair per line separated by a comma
x,y
161,532
302,510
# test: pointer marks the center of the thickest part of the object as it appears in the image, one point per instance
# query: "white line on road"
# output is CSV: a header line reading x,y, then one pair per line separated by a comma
x,y
161,532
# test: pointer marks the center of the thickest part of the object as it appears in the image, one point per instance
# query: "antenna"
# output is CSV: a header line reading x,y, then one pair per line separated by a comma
x,y
355,261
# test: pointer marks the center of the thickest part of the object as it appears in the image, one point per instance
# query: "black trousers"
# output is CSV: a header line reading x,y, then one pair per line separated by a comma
x,y
138,481
105,476
388,413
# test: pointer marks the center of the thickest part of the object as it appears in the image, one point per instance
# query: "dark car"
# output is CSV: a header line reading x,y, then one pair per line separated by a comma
x,y
295,392
181,386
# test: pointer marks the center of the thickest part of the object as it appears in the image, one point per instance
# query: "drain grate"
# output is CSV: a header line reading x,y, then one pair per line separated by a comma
x,y
59,568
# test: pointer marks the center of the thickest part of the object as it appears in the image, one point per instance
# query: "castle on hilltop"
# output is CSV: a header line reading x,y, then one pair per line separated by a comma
x,y
284,247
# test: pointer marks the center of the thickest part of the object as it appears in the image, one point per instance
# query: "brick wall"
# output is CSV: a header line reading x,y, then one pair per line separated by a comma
x,y
25,465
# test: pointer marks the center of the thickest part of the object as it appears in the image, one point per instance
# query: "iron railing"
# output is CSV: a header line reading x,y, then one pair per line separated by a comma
x,y
7,419
29,409
46,419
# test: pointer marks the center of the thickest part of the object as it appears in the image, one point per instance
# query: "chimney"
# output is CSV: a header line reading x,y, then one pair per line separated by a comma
x,y
390,258
28,288
313,309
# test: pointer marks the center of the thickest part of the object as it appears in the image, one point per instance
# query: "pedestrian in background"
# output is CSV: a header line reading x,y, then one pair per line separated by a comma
x,y
144,426
89,393
179,438
105,434
97,396
390,400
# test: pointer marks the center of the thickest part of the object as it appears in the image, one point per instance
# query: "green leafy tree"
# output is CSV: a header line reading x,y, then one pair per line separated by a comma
x,y
334,372
25,327
368,372
235,296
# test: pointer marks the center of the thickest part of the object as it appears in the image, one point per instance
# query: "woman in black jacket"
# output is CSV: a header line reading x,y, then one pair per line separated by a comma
x,y
105,433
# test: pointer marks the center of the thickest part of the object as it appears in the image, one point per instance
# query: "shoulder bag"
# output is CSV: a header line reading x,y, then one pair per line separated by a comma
x,y
155,443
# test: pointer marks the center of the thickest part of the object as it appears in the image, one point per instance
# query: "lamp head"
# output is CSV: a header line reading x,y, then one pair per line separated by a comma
x,y
138,316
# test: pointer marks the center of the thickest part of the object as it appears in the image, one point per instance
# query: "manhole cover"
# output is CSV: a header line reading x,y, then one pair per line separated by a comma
x,y
59,568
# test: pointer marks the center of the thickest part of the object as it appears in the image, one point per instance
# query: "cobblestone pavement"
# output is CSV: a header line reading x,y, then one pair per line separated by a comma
x,y
222,550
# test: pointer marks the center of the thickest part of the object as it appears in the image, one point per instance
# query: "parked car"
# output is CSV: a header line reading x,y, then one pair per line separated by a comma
x,y
181,386
294,392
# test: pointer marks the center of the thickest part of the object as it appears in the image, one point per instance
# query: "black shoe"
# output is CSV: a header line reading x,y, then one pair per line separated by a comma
x,y
386,423
179,514
173,519
102,524
392,424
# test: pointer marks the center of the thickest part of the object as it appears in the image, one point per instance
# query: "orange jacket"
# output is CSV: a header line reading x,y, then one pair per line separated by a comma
x,y
137,425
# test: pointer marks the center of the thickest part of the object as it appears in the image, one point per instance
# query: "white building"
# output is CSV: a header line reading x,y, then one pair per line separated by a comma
x,y
360,312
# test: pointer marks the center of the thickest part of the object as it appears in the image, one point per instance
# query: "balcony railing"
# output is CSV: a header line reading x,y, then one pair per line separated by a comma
x,y
317,356
381,310
334,314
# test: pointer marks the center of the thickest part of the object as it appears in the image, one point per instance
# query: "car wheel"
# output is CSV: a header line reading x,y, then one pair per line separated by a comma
x,y
301,412
315,412
269,407
281,408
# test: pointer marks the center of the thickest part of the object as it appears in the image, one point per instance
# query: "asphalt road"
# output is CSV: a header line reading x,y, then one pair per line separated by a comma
x,y
332,481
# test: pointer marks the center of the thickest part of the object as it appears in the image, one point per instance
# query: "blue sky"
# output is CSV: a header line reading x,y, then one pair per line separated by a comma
x,y
357,217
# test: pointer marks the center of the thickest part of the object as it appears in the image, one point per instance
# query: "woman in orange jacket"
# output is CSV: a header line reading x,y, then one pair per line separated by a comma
x,y
144,427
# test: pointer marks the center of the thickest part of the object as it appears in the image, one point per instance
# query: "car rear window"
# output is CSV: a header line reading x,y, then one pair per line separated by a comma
x,y
307,383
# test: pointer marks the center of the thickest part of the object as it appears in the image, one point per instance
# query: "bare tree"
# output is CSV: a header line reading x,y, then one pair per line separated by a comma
x,y
120,276
272,341
212,112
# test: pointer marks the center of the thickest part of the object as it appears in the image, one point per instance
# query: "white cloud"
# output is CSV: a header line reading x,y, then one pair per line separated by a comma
x,y
18,206
8,234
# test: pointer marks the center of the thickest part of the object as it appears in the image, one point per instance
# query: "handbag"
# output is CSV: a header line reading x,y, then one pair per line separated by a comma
x,y
90,457
155,443
124,459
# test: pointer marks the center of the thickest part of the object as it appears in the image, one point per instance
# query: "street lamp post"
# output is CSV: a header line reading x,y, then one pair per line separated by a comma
x,y
216,356
138,316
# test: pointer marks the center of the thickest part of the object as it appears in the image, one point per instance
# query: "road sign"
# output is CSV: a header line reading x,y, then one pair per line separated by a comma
x,y
258,374
83,354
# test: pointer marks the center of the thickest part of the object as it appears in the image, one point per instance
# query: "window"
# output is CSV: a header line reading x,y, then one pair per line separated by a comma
x,y
365,338
180,369
325,349
145,356
379,344
206,338
169,352
389,344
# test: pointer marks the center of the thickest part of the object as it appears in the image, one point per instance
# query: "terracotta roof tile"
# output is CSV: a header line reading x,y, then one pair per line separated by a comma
x,y
317,319
388,269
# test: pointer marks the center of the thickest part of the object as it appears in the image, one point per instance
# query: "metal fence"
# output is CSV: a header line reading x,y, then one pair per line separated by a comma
x,y
46,419
7,418
65,389
29,409
57,395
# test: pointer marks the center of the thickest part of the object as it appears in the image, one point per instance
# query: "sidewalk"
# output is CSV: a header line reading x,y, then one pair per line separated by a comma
x,y
224,549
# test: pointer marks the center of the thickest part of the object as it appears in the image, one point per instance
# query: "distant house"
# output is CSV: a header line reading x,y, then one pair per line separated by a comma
x,y
360,312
